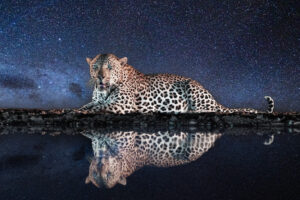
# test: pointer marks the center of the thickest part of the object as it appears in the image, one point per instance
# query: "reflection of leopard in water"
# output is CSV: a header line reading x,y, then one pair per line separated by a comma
x,y
120,88
118,154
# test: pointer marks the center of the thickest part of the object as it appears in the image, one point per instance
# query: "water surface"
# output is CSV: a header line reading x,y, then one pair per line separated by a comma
x,y
239,164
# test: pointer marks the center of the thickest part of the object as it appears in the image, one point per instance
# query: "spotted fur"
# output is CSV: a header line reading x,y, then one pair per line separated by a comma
x,y
118,154
120,88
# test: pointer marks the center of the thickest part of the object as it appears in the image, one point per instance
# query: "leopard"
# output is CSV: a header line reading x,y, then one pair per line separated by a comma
x,y
120,88
118,154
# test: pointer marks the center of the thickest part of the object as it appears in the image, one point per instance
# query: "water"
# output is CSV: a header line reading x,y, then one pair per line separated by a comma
x,y
229,164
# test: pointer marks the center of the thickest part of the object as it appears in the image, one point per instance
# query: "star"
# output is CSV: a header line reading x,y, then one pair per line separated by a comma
x,y
239,53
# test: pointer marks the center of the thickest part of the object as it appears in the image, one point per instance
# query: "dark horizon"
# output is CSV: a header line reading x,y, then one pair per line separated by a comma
x,y
239,51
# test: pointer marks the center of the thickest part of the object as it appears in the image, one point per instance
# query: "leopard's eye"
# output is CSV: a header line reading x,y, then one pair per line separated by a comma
x,y
95,66
109,66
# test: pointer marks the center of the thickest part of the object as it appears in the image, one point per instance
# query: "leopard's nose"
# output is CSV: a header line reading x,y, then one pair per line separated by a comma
x,y
99,81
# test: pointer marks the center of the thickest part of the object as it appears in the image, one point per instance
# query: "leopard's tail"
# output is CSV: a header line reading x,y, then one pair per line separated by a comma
x,y
250,110
270,104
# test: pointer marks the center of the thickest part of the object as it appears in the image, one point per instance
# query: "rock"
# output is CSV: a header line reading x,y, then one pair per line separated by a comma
x,y
58,120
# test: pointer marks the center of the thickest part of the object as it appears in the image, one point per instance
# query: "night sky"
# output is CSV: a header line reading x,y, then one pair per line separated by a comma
x,y
239,50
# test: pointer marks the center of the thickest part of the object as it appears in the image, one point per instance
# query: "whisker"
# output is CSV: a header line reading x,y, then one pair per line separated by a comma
x,y
91,82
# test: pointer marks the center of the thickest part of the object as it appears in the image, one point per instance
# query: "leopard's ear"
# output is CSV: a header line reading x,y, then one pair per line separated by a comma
x,y
89,158
87,180
88,60
123,61
122,180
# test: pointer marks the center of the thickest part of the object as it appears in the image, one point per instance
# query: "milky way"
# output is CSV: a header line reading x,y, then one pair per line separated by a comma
x,y
239,51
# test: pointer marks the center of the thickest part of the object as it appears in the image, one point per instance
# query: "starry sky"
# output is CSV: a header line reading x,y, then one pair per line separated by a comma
x,y
239,50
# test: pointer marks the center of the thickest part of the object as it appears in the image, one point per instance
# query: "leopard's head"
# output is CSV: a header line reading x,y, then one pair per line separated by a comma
x,y
106,70
106,166
106,171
